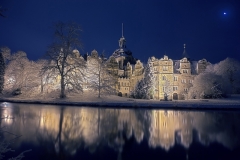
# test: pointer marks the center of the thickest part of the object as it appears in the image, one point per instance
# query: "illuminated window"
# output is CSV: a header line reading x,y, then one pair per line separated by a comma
x,y
164,78
175,78
183,80
164,88
165,68
175,88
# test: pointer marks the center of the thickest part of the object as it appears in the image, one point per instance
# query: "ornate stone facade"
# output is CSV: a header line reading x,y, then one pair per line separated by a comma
x,y
173,78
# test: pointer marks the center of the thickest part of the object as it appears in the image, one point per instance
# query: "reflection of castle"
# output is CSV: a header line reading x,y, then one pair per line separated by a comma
x,y
73,127
167,125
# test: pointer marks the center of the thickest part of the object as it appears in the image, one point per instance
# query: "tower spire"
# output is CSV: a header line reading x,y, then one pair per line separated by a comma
x,y
122,29
185,55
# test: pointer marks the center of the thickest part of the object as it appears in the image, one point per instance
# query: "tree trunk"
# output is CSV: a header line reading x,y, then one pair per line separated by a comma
x,y
62,95
99,85
41,85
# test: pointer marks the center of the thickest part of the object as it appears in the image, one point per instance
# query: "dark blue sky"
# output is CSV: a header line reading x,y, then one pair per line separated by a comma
x,y
151,27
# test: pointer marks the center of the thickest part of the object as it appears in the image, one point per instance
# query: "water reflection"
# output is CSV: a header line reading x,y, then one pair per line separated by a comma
x,y
66,130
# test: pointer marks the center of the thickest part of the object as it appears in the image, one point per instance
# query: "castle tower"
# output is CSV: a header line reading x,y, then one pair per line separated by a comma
x,y
122,40
122,54
184,55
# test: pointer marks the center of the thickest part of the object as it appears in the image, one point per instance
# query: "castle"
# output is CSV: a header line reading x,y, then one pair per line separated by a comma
x,y
172,77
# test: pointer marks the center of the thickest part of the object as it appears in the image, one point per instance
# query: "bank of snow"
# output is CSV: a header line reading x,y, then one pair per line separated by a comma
x,y
89,99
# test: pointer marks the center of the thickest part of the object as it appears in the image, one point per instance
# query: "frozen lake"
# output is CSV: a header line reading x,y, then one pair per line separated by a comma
x,y
67,132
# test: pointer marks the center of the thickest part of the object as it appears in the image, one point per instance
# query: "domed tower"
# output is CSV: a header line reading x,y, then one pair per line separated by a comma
x,y
122,54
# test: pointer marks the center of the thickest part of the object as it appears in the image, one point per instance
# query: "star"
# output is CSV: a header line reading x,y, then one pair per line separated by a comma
x,y
224,13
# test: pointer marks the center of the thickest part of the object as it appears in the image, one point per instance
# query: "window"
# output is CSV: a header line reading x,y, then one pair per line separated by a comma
x,y
183,80
164,78
185,71
185,89
190,81
175,78
165,68
164,89
175,88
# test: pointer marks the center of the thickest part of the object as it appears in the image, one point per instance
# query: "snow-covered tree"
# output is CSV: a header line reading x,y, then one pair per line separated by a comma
x,y
145,88
2,71
139,91
16,71
167,89
99,78
44,75
229,69
209,85
149,80
62,57
218,80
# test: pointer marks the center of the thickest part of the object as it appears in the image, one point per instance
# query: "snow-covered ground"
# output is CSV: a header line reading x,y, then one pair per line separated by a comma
x,y
91,99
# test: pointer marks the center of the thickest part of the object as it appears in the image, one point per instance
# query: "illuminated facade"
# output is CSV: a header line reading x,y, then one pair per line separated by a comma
x,y
172,77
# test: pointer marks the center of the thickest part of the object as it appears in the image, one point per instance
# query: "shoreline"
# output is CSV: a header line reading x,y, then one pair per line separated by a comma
x,y
200,104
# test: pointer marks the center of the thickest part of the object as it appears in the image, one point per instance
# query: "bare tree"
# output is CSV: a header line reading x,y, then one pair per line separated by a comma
x,y
62,57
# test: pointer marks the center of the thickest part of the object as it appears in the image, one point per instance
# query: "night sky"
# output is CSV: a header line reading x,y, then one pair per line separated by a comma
x,y
210,28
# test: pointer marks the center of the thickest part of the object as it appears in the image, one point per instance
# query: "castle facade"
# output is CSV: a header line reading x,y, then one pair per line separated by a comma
x,y
173,78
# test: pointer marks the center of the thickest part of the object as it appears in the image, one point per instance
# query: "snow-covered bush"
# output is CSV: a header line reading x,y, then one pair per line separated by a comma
x,y
229,69
209,85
